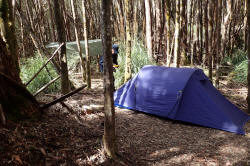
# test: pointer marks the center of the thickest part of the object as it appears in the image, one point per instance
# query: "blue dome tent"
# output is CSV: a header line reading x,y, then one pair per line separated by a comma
x,y
183,94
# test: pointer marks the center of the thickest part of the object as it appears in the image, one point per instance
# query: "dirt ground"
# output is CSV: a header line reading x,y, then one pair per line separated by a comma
x,y
70,133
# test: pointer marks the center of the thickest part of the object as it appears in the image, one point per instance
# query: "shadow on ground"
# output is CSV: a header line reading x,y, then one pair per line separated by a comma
x,y
68,134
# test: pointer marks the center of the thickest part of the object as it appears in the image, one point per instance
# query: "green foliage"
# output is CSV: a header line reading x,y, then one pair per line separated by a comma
x,y
237,57
30,66
240,72
139,59
240,63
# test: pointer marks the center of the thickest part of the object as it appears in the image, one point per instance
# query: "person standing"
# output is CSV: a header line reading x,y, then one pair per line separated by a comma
x,y
115,51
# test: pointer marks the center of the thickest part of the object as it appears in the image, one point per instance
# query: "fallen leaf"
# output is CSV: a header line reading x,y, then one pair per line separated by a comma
x,y
17,158
89,111
43,151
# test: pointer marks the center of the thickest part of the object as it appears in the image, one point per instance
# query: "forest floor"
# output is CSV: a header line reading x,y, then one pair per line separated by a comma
x,y
70,133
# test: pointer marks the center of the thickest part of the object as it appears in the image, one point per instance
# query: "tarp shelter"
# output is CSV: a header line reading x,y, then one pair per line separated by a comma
x,y
183,94
95,47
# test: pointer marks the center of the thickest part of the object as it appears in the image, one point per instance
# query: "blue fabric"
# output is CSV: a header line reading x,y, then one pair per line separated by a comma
x,y
183,94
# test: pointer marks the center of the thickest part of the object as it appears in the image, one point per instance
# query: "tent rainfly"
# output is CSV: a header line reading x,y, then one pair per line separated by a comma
x,y
183,94
95,47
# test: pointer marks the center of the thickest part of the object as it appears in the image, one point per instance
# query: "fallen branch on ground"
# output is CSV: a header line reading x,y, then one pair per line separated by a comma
x,y
62,98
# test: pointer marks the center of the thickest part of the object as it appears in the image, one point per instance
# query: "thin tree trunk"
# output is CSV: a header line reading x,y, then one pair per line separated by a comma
x,y
78,42
109,126
122,29
135,21
177,33
206,31
168,62
183,33
148,30
88,74
225,27
53,35
62,53
191,34
162,28
248,53
218,41
158,35
246,27
128,72
210,31
201,29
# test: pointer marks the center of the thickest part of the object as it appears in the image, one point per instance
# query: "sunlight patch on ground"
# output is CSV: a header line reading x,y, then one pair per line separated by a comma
x,y
122,111
200,161
230,149
184,158
233,154
220,134
162,152
95,159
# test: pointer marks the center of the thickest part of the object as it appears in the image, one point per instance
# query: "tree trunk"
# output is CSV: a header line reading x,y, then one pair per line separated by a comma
x,y
53,35
177,33
168,61
148,30
17,103
78,42
218,41
88,74
248,53
210,31
9,26
135,21
158,34
62,53
121,17
206,31
246,27
225,26
191,34
183,33
201,29
128,72
109,127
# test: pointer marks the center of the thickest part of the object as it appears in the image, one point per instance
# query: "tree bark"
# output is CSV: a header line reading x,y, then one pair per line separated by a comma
x,y
218,41
210,31
148,30
246,27
17,103
62,53
183,32
128,72
177,33
201,29
78,42
9,26
88,73
168,61
206,31
109,126
248,54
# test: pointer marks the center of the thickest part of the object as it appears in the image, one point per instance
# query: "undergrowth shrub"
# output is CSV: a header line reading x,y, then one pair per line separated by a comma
x,y
237,57
29,66
240,63
139,58
240,72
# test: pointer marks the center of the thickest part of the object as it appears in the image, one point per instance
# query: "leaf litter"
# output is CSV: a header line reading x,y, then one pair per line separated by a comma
x,y
70,133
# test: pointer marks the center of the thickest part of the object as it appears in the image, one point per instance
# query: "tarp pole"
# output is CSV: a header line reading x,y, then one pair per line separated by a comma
x,y
26,84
